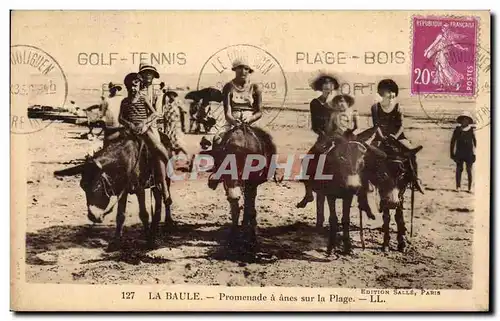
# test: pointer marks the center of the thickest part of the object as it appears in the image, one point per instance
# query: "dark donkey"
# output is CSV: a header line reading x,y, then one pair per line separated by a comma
x,y
399,166
124,166
343,164
246,147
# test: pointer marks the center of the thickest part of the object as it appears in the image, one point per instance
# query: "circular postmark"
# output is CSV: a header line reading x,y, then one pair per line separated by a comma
x,y
38,89
450,80
268,75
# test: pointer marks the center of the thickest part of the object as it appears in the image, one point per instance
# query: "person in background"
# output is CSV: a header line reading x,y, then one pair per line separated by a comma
x,y
462,148
110,109
172,126
321,112
387,117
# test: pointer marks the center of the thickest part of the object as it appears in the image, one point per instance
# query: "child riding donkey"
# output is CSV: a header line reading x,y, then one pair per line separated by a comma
x,y
387,117
242,102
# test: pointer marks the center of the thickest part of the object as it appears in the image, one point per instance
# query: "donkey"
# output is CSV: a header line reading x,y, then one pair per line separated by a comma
x,y
345,162
248,146
123,167
400,165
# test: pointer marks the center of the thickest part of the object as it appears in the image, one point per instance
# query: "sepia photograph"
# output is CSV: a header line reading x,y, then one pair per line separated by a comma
x,y
250,160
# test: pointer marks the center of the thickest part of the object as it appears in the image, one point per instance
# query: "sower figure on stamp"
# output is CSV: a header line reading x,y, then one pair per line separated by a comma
x,y
110,108
321,112
242,102
387,117
462,148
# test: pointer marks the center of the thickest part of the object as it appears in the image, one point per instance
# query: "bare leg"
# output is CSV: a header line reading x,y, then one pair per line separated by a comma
x,y
320,209
346,220
458,174
387,237
308,196
333,220
468,167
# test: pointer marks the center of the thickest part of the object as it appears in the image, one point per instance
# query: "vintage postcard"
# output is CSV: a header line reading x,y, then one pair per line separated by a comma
x,y
250,160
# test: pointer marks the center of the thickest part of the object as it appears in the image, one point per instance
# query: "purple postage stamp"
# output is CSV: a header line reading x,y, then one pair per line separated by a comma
x,y
444,53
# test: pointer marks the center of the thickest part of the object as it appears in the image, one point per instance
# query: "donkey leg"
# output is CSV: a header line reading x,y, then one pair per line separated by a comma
x,y
249,212
164,182
346,222
143,212
385,227
320,209
155,220
401,229
333,220
114,245
233,197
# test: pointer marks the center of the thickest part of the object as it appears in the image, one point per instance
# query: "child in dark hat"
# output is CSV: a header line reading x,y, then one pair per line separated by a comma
x,y
387,117
462,146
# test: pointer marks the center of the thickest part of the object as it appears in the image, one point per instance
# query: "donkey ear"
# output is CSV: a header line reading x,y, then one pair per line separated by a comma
x,y
75,170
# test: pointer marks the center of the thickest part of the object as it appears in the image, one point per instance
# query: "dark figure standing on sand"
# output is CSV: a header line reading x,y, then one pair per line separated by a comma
x,y
462,147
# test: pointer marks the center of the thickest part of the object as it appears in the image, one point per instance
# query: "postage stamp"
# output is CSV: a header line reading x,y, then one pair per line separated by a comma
x,y
444,55
37,83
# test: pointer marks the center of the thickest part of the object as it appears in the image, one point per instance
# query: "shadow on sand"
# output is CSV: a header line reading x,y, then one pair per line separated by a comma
x,y
274,243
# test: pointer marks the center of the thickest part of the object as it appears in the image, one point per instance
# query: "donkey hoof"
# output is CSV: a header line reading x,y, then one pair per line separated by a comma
x,y
385,248
152,244
347,250
402,247
113,246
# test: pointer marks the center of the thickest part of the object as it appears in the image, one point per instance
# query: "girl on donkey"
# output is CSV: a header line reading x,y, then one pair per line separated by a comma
x,y
242,100
387,117
334,120
462,148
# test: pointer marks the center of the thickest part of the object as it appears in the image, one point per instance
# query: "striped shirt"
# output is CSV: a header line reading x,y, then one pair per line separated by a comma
x,y
136,111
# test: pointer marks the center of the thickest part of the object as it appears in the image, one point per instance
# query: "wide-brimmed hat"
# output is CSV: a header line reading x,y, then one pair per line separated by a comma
x,y
465,114
171,93
318,81
114,86
348,99
387,85
144,66
239,62
130,78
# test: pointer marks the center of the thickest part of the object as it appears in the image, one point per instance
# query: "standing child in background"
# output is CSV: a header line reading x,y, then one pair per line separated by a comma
x,y
462,148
